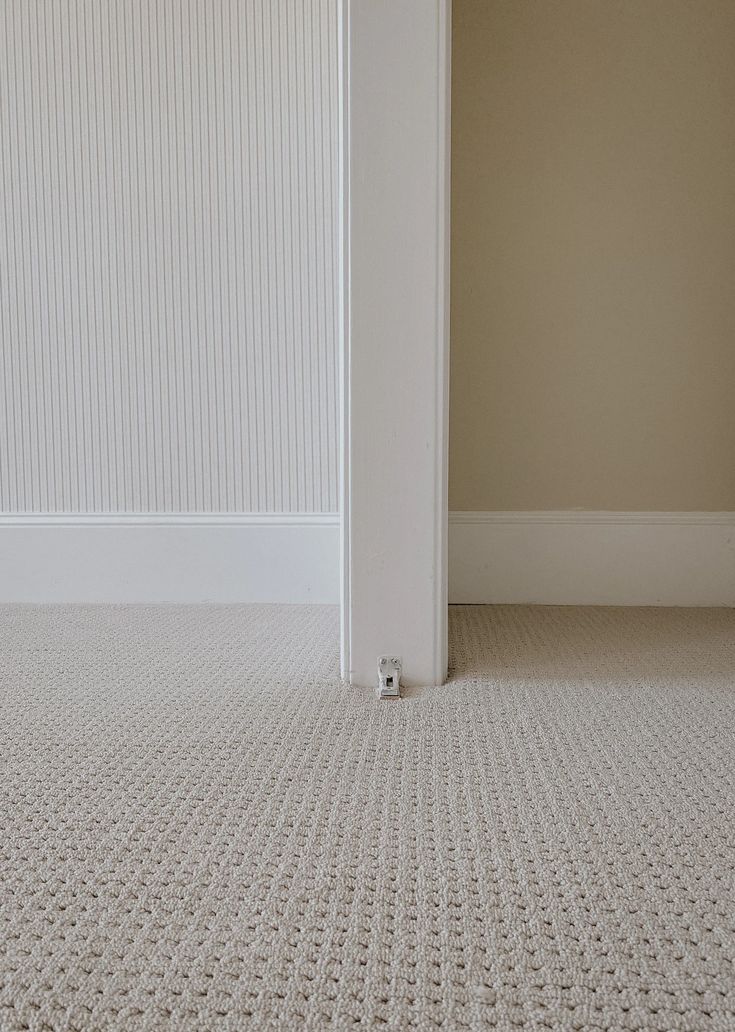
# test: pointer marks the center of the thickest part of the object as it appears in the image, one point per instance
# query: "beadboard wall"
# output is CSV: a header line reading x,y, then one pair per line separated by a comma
x,y
169,227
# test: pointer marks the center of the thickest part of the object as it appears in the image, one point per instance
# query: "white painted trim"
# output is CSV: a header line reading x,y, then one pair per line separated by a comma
x,y
441,402
395,371
344,350
580,517
593,558
169,519
176,557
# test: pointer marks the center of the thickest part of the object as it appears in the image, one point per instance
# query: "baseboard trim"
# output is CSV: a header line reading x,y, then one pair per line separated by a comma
x,y
592,558
171,557
549,558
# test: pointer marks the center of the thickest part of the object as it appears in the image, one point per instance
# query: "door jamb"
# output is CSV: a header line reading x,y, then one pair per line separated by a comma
x,y
394,174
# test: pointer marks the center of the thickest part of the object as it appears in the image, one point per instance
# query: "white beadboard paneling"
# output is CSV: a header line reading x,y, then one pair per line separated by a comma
x,y
593,558
169,221
169,557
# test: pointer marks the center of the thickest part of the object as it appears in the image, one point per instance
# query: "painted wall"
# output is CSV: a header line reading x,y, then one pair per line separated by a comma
x,y
593,249
168,256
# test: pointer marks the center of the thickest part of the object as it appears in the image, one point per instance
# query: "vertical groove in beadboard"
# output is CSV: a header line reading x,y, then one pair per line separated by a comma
x,y
168,255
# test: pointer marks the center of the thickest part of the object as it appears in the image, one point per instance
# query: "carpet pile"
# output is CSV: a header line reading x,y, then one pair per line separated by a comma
x,y
201,828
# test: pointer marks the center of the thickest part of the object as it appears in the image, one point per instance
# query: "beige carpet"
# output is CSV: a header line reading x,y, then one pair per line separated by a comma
x,y
200,828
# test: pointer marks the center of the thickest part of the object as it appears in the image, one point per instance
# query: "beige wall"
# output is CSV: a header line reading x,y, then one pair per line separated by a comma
x,y
593,255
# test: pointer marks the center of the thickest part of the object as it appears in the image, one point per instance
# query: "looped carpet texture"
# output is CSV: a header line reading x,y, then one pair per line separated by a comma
x,y
201,828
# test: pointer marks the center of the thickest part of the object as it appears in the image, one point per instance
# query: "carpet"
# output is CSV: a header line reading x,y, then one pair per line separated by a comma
x,y
201,828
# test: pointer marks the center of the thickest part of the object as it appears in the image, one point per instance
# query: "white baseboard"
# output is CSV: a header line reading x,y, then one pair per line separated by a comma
x,y
169,558
593,558
550,558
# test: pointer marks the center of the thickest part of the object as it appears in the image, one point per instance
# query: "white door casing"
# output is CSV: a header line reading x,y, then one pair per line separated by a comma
x,y
395,176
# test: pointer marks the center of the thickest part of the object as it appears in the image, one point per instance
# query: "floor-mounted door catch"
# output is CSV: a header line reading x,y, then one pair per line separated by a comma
x,y
389,677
